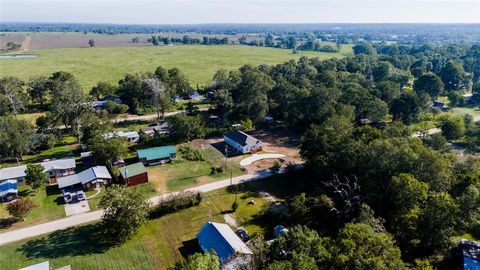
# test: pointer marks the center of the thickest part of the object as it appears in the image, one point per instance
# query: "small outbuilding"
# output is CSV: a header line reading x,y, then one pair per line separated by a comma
x,y
131,136
157,155
242,142
93,177
134,174
195,96
8,191
221,238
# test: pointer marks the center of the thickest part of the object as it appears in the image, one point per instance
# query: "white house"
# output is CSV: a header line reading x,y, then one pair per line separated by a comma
x,y
53,168
92,177
131,136
242,142
195,96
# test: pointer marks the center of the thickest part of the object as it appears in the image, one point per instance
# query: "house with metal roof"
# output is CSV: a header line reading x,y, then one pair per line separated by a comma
x,y
221,238
131,136
242,142
134,174
8,190
53,169
157,155
89,178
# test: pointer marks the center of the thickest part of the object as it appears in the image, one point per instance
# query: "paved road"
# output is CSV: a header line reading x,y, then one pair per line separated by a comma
x,y
437,130
79,219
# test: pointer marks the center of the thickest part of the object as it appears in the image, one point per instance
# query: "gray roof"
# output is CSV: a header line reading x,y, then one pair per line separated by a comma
x,y
94,173
242,138
19,171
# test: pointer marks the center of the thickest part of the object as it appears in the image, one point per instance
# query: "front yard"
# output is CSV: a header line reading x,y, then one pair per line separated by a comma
x,y
158,245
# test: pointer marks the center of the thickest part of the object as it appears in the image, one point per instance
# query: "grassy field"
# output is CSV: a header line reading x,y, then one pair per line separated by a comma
x,y
158,245
91,65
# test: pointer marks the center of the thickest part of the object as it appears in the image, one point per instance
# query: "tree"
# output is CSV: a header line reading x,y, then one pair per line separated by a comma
x,y
91,43
382,71
438,142
161,96
360,247
38,89
20,208
11,89
453,128
364,49
438,220
15,137
125,210
102,89
406,192
222,99
35,175
269,41
178,82
184,128
430,84
407,107
199,261
135,40
68,101
94,127
105,151
301,240
454,77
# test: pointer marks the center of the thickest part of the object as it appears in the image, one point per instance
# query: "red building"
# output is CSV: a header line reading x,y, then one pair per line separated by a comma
x,y
134,174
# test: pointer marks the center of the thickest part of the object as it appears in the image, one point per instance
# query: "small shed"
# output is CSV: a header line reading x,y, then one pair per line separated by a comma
x,y
221,238
195,96
134,174
8,190
157,155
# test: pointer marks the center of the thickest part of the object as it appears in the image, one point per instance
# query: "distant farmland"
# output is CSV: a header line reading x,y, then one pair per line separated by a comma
x,y
90,65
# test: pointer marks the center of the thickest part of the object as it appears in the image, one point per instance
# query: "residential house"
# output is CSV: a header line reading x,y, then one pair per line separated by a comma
x,y
100,104
8,190
159,129
221,238
195,96
131,136
53,169
134,174
94,177
471,255
157,155
149,131
242,142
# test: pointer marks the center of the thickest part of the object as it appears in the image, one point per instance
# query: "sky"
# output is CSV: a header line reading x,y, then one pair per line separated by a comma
x,y
240,11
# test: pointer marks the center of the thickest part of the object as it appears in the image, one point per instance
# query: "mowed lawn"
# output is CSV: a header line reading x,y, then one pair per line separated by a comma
x,y
183,174
90,65
158,245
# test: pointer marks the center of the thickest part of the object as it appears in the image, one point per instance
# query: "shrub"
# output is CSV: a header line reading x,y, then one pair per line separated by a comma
x,y
20,208
214,170
190,153
276,167
176,202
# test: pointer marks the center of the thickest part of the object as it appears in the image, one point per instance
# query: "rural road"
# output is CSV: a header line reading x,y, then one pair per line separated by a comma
x,y
438,130
130,117
79,219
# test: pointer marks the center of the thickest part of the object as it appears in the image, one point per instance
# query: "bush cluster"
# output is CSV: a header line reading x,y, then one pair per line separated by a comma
x,y
190,153
176,202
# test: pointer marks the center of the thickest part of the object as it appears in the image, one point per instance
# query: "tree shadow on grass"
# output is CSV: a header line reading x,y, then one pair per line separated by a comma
x,y
6,223
76,241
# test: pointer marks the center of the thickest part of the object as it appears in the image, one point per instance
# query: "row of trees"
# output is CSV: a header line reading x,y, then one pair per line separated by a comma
x,y
186,40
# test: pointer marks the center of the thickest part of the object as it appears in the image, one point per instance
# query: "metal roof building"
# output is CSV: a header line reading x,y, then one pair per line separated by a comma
x,y
89,175
221,238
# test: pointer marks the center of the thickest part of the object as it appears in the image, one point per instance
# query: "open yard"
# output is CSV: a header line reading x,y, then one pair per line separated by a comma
x,y
90,65
183,174
157,246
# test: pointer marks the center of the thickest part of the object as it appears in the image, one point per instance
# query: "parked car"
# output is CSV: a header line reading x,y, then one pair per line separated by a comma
x,y
80,195
242,233
67,197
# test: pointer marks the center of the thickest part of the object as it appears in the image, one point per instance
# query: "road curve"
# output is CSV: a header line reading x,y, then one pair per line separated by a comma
x,y
64,223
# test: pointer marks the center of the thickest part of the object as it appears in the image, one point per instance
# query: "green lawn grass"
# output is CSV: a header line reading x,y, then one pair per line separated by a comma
x,y
90,65
158,245
49,207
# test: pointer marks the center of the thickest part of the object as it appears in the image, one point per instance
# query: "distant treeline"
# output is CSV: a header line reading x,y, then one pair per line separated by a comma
x,y
340,33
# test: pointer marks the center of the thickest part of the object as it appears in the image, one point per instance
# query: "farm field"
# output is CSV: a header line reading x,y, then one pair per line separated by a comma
x,y
90,65
158,245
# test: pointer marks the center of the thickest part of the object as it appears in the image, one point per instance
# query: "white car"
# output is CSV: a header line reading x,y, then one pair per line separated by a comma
x,y
80,195
67,197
